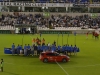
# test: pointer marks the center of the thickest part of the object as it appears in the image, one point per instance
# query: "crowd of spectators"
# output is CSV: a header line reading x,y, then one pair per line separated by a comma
x,y
51,21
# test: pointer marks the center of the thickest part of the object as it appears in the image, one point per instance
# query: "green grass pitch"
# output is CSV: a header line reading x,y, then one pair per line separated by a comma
x,y
86,62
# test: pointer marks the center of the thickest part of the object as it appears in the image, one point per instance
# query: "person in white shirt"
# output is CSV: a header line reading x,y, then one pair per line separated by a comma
x,y
48,44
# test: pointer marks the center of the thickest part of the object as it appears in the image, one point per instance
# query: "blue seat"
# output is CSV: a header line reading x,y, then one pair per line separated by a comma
x,y
7,51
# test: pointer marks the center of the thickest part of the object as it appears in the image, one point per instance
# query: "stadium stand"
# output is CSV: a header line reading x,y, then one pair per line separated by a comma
x,y
53,22
57,22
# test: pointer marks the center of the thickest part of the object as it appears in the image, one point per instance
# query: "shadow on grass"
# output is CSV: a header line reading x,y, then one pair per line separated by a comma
x,y
21,56
10,73
37,56
79,56
56,63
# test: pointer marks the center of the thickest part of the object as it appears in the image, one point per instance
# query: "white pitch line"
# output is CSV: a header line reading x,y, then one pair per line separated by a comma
x,y
30,36
15,64
9,63
84,66
62,68
58,63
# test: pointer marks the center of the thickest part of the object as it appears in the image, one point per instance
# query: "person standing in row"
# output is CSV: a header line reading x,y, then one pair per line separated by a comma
x,y
25,50
32,49
13,49
28,50
18,49
21,51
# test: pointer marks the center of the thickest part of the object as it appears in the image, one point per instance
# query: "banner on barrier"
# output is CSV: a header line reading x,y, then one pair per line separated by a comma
x,y
28,4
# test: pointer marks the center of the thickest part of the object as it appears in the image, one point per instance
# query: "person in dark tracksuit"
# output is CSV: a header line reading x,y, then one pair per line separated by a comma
x,y
54,43
1,65
38,49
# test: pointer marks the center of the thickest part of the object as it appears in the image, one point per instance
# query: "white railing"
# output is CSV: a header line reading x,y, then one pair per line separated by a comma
x,y
7,28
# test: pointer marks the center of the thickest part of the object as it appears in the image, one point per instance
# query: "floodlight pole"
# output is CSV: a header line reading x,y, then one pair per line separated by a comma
x,y
67,40
62,38
22,37
57,41
75,40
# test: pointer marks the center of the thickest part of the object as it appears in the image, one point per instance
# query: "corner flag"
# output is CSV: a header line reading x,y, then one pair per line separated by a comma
x,y
75,37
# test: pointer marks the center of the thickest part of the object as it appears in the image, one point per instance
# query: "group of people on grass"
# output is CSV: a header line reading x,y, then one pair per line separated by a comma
x,y
38,47
95,34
